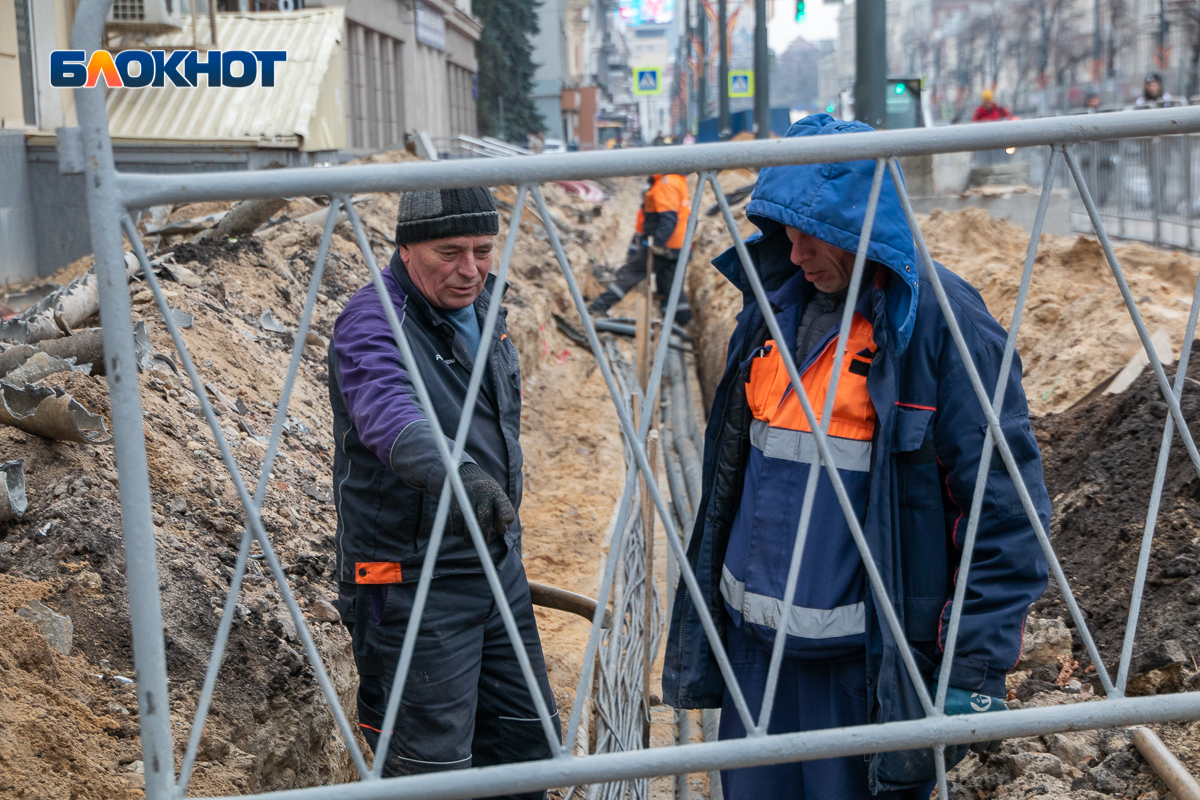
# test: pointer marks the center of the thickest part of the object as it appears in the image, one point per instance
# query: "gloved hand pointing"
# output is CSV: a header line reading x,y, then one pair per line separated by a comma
x,y
489,504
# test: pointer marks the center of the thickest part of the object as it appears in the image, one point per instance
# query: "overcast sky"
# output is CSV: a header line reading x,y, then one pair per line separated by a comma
x,y
820,22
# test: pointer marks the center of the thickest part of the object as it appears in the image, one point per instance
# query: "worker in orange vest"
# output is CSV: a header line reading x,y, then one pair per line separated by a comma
x,y
661,222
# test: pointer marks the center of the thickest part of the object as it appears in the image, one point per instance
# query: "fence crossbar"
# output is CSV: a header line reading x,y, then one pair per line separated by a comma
x,y
642,464
260,491
252,513
645,418
139,190
478,369
876,579
814,474
531,776
489,569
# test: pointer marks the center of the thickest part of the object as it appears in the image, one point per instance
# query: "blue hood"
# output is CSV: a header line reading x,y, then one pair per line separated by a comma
x,y
829,201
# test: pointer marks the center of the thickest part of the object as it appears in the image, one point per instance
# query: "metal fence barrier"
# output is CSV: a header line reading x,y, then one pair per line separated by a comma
x,y
112,195
1146,189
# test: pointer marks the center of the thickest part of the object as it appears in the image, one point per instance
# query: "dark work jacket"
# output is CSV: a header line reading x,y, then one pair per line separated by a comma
x,y
387,474
928,440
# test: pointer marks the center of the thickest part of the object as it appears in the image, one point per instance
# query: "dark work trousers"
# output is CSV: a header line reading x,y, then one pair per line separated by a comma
x,y
633,272
811,695
466,703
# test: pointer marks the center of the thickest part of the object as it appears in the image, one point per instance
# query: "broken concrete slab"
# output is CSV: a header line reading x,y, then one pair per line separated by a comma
x,y
57,628
13,501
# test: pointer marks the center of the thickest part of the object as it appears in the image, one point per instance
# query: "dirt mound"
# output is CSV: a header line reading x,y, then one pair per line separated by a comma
x,y
269,727
1099,463
1076,330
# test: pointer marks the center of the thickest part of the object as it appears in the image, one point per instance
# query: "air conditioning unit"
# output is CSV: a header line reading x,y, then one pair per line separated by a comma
x,y
146,16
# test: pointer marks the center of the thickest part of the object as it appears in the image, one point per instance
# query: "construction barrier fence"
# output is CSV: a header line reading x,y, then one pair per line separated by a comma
x,y
112,196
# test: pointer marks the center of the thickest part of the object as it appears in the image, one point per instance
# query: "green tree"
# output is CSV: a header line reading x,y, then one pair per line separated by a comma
x,y
506,68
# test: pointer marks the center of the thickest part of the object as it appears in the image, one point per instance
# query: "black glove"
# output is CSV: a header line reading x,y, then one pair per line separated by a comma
x,y
489,504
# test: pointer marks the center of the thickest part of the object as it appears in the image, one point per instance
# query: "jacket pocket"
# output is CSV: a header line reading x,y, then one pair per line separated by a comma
x,y
915,459
761,370
1001,492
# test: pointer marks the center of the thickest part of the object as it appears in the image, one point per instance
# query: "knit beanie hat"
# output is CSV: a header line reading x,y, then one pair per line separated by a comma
x,y
443,213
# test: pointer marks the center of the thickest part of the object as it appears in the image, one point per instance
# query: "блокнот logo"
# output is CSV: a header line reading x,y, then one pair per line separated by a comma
x,y
134,69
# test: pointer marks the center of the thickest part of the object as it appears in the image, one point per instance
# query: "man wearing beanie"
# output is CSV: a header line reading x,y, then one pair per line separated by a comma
x,y
465,703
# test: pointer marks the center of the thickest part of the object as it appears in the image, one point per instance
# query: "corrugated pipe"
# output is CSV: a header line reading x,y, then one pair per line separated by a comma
x,y
1173,773
679,494
692,472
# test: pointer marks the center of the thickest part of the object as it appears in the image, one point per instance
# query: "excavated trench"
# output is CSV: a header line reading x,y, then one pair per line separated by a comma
x,y
70,724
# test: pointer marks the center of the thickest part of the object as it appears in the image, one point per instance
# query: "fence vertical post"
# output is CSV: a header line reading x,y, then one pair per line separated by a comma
x,y
1156,188
1121,206
129,445
1188,215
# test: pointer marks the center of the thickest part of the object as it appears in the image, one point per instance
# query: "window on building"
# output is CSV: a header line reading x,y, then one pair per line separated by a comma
x,y
461,84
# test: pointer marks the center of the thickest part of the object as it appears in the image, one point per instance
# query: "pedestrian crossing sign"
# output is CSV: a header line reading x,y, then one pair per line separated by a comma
x,y
646,80
741,83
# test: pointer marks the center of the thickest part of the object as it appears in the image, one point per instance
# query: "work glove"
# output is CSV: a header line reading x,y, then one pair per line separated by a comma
x,y
489,504
660,251
964,701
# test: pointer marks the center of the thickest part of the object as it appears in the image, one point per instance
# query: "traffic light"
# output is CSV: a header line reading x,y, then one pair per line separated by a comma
x,y
799,10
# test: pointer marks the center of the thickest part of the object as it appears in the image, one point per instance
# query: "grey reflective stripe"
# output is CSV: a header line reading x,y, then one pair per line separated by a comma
x,y
809,623
616,289
852,455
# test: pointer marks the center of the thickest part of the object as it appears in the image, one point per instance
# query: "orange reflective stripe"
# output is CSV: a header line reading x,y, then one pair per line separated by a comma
x,y
641,220
377,572
853,412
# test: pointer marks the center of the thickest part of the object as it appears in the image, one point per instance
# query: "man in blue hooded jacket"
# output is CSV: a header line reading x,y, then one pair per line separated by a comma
x,y
907,434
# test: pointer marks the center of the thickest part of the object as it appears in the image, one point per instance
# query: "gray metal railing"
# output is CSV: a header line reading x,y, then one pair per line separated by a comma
x,y
111,195
1146,189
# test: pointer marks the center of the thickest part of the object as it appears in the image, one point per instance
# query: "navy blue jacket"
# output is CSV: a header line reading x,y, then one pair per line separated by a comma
x,y
929,437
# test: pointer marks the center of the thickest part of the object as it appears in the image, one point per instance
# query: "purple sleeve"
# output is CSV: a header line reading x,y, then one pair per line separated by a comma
x,y
383,406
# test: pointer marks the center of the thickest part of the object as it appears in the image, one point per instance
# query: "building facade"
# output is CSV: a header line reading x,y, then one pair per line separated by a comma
x,y
410,66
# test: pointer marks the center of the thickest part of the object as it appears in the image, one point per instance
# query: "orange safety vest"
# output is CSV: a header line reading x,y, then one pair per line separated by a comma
x,y
828,607
667,193
771,401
